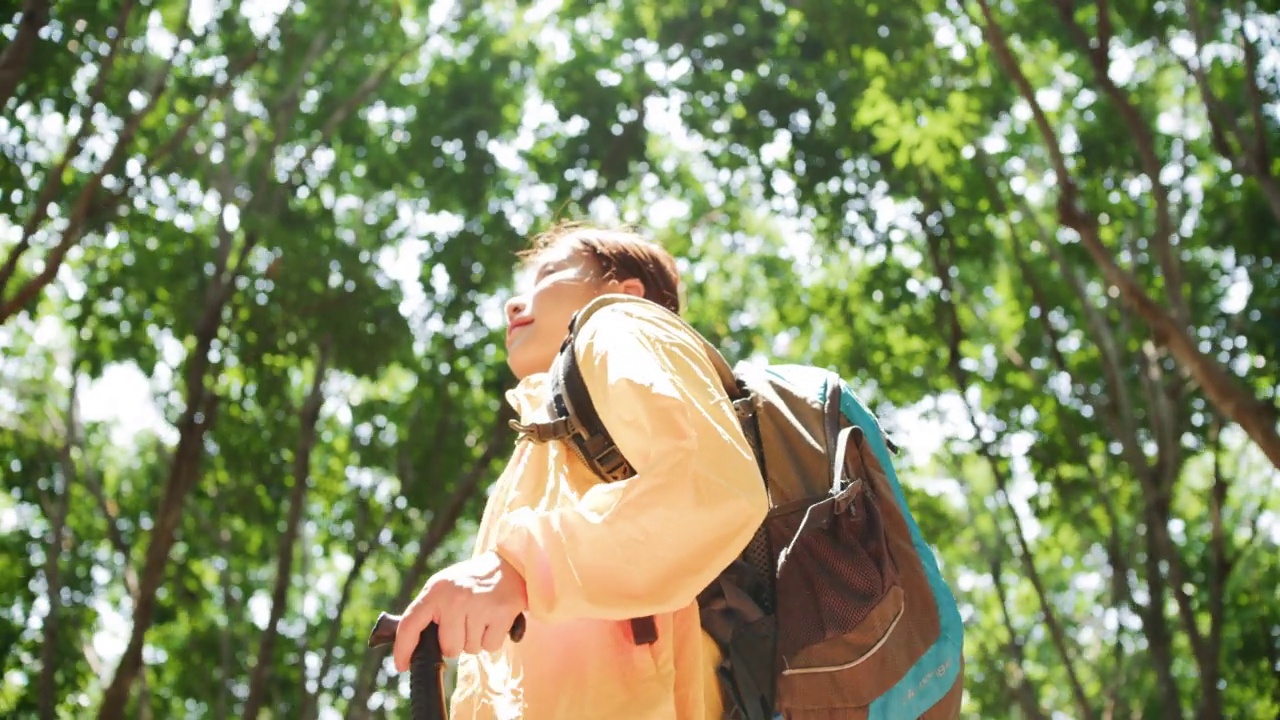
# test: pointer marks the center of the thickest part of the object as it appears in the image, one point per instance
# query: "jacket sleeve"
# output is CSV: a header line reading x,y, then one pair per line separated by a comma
x,y
649,544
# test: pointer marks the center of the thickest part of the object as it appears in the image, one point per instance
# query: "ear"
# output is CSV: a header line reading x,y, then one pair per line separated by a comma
x,y
630,286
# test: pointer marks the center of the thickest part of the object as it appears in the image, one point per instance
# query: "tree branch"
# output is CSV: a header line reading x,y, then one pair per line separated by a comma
x,y
1117,407
1259,153
308,416
52,184
287,108
1056,632
184,467
1144,139
144,696
1163,412
84,201
362,93
950,316
215,95
1116,552
89,478
1156,628
1214,111
111,516
1105,29
1256,417
226,654
1024,688
1222,126
1000,46
13,60
158,161
304,638
1115,705
1164,548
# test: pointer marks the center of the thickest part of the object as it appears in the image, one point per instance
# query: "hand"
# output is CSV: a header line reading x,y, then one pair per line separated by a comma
x,y
473,603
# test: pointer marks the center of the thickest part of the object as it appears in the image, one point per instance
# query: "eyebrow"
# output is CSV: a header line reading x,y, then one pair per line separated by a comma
x,y
545,268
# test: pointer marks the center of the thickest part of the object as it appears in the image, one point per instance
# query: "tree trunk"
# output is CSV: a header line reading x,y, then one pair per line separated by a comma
x,y
144,696
183,474
48,685
1219,571
307,419
1159,639
59,505
310,708
1116,408
1024,691
954,332
226,653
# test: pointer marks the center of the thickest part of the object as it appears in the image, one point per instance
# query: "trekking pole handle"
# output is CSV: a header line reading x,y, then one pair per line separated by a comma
x,y
426,667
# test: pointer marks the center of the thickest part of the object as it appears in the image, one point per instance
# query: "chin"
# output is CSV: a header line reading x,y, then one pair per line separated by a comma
x,y
522,366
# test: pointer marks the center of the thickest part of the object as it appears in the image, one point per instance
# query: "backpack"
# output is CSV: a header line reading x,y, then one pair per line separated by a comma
x,y
836,607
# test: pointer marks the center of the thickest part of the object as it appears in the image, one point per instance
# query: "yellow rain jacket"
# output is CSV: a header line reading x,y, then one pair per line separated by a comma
x,y
596,554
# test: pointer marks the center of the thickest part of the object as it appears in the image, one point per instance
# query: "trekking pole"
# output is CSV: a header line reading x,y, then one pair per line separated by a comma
x,y
426,667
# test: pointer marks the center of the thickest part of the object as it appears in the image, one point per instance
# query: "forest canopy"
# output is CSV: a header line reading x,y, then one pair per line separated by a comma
x,y
253,256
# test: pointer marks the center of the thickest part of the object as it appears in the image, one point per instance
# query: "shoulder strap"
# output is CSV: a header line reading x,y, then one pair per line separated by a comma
x,y
571,400
587,435
573,416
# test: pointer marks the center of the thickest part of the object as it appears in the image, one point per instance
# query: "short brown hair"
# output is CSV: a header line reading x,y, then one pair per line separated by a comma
x,y
621,254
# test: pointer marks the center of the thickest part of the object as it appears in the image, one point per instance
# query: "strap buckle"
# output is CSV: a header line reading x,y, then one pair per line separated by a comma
x,y
544,432
745,407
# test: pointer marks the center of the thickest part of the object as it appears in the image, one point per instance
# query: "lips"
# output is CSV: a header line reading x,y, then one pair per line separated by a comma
x,y
517,324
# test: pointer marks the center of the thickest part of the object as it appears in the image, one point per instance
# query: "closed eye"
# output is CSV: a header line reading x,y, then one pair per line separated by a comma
x,y
546,270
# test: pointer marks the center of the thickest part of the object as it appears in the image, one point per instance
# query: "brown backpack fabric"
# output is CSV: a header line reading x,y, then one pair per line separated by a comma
x,y
836,608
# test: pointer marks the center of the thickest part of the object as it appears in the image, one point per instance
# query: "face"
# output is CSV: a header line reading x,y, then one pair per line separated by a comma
x,y
564,279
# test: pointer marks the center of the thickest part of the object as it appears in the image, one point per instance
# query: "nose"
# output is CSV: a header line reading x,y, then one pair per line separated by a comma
x,y
515,306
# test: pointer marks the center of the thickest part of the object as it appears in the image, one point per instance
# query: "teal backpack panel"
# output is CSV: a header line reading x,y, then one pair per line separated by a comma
x,y
935,672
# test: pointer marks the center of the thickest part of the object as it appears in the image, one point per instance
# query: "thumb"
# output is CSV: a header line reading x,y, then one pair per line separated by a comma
x,y
412,623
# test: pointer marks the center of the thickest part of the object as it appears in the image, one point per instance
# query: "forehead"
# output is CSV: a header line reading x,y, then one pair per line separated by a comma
x,y
562,254
558,256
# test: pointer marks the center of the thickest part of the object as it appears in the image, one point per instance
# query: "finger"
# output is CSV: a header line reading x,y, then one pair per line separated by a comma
x,y
476,628
417,617
453,633
493,638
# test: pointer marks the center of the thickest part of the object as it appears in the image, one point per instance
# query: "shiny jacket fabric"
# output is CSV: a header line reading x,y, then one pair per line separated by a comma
x,y
595,554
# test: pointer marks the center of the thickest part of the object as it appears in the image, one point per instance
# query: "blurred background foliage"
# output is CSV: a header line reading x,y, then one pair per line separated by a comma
x,y
254,254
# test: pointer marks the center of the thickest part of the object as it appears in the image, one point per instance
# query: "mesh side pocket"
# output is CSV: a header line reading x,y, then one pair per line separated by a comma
x,y
757,557
833,568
